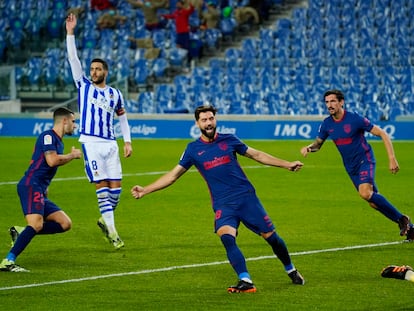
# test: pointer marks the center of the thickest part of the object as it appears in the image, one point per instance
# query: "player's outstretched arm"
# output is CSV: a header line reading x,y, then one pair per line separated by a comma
x,y
163,182
313,147
267,159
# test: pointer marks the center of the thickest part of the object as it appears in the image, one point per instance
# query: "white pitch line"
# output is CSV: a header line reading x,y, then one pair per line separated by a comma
x,y
215,263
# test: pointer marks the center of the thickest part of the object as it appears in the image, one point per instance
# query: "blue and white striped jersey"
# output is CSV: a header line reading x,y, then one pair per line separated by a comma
x,y
97,108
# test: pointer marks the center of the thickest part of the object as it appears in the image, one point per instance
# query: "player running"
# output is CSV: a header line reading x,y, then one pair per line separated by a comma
x,y
42,215
347,130
233,197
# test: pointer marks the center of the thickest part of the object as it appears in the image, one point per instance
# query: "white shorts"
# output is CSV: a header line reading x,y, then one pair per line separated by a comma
x,y
102,160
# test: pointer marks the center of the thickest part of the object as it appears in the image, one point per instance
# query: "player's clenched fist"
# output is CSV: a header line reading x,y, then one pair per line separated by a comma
x,y
137,192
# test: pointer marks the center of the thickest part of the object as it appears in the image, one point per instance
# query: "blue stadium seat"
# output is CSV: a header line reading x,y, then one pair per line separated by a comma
x,y
16,33
131,106
227,27
146,103
159,68
141,73
177,57
34,71
159,38
211,40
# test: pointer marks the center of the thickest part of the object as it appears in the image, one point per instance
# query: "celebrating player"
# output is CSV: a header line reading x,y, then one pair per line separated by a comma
x,y
98,104
234,198
347,131
42,215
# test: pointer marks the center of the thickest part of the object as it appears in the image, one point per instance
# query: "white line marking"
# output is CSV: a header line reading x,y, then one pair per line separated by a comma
x,y
216,263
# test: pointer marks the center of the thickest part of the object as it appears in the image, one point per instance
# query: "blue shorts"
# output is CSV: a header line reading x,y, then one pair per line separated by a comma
x,y
34,201
365,175
246,209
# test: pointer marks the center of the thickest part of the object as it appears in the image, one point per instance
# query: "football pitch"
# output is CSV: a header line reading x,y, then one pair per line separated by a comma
x,y
172,260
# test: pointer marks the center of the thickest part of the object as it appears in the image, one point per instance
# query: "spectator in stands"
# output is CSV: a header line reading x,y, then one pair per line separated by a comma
x,y
78,11
102,5
110,20
210,17
150,10
151,52
181,17
246,15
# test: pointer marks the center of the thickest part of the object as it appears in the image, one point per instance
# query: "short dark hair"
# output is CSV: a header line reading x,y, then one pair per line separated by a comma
x,y
339,95
62,112
204,108
100,60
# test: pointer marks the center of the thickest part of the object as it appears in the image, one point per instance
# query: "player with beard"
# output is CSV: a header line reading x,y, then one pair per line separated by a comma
x,y
98,104
347,130
234,199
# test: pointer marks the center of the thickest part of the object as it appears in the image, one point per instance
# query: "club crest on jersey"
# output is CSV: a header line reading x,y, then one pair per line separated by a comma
x,y
347,128
223,146
47,140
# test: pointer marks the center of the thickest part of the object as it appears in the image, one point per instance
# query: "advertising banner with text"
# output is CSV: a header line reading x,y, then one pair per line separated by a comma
x,y
164,129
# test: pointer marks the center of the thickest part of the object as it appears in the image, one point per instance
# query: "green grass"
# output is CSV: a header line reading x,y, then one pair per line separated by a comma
x,y
314,209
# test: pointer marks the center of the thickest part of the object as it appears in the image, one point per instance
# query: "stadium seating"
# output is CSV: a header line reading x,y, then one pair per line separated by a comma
x,y
362,47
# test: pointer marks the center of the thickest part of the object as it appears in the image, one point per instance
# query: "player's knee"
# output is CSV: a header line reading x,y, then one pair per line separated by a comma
x,y
37,226
365,195
66,224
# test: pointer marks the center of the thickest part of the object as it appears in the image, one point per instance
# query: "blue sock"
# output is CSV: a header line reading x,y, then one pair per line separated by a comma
x,y
245,276
234,255
385,207
281,251
22,241
51,227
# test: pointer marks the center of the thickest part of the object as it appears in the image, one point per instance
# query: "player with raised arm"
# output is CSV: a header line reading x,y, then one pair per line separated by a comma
x,y
42,215
347,131
98,104
234,198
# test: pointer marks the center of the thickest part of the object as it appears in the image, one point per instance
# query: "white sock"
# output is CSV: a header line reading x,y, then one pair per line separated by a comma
x,y
109,220
409,276
105,208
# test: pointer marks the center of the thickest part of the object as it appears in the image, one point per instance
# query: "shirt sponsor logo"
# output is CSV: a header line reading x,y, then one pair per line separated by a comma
x,y
343,141
216,162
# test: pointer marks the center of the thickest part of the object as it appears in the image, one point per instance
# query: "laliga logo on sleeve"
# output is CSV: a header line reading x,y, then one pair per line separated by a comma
x,y
195,132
